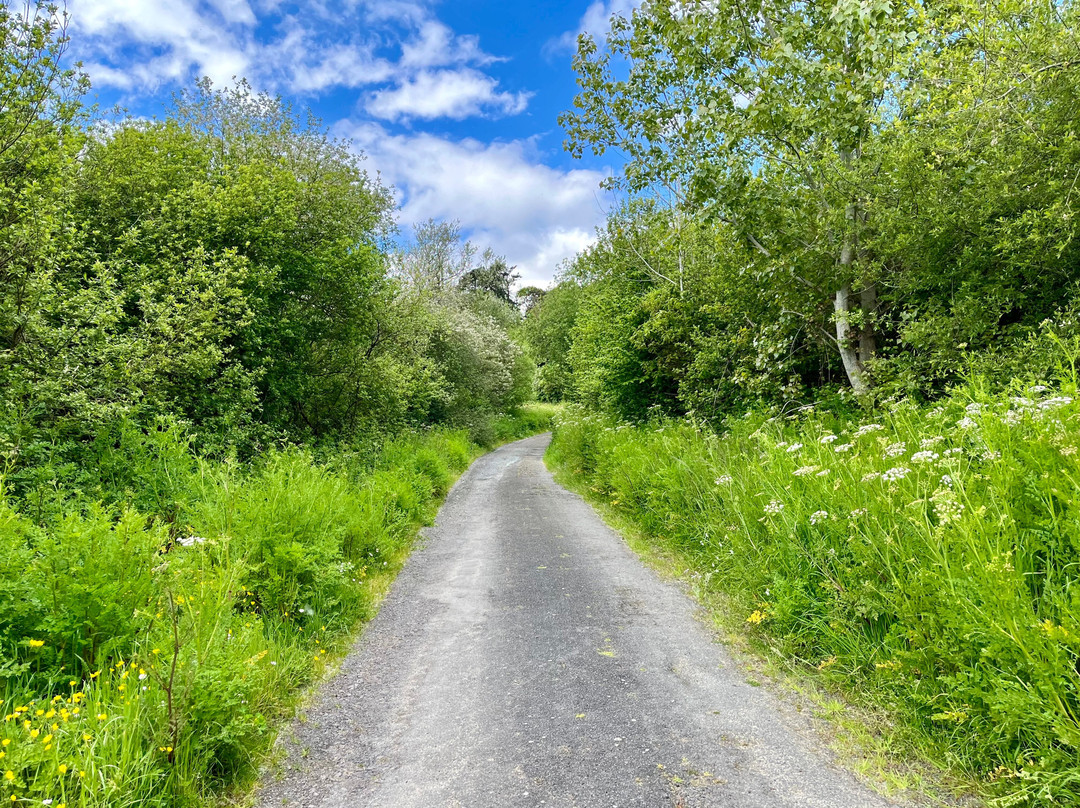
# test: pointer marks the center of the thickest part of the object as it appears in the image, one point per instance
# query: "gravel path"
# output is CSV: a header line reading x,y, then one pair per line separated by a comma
x,y
525,657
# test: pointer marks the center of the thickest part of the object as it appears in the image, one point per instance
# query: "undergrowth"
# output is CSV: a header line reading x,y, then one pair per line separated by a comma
x,y
157,622
927,557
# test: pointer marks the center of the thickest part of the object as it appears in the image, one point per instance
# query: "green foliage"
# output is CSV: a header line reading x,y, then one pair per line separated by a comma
x,y
164,643
889,185
928,558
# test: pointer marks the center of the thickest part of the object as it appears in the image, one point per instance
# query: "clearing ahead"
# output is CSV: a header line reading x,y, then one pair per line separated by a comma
x,y
525,657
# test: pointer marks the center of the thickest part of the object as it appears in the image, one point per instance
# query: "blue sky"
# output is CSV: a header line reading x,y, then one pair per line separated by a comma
x,y
454,103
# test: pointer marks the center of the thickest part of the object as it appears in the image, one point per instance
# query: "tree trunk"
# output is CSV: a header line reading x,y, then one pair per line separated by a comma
x,y
847,340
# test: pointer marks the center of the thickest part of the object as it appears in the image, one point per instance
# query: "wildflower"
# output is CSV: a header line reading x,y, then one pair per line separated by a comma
x,y
1067,450
723,479
930,443
62,768
1039,388
897,473
802,472
966,423
843,447
946,507
757,617
102,717
1054,403
190,541
828,438
973,408
991,455
818,516
871,476
774,507
935,413
946,480
858,512
924,457
895,449
794,448
36,643
9,775
822,473
866,429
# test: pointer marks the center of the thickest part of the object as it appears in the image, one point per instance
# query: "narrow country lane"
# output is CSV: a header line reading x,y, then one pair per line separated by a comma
x,y
525,657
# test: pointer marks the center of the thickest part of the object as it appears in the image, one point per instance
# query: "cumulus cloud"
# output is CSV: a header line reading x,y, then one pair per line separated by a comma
x,y
504,197
454,94
424,69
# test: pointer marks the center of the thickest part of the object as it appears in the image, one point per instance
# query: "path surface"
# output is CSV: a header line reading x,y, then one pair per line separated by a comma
x,y
525,657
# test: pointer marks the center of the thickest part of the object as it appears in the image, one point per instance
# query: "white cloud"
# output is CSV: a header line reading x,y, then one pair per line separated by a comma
x,y
596,21
453,94
502,195
138,45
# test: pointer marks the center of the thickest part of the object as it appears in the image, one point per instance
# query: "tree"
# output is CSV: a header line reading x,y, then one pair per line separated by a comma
x,y
436,259
493,276
759,113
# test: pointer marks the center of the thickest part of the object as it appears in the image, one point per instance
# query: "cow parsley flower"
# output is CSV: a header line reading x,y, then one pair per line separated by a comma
x,y
794,448
723,479
893,474
828,438
818,516
895,449
843,447
966,423
774,507
924,457
866,429
869,478
802,472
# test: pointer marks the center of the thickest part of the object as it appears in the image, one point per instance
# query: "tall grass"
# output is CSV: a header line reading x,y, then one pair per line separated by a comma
x,y
929,556
156,625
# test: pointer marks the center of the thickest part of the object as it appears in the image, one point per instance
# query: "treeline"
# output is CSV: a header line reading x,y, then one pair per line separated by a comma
x,y
861,196
228,266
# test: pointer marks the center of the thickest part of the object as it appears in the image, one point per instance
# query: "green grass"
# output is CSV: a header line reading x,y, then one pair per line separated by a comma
x,y
147,655
926,561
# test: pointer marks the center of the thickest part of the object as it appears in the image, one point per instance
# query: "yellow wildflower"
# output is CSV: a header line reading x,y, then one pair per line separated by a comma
x,y
36,643
63,768
9,775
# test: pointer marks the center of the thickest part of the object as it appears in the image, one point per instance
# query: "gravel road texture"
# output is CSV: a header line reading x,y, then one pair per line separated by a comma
x,y
526,657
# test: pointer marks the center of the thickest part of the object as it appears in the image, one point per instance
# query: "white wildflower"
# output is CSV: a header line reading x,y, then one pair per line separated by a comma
x,y
947,480
953,451
989,455
869,478
855,514
822,473
828,438
1013,417
946,507
774,507
866,429
896,449
843,447
723,479
1054,403
802,472
818,516
1067,450
973,408
935,413
1020,401
924,457
794,448
189,541
966,423
1039,388
781,444
930,443
897,473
